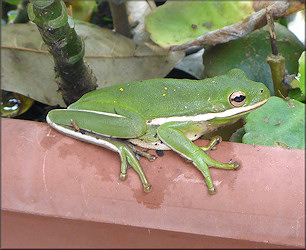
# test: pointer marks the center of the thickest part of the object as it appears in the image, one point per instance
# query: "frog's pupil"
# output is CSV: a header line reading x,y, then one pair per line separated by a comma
x,y
239,98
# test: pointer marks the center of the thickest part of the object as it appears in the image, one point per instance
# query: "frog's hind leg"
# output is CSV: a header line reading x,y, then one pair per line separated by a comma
x,y
128,158
99,129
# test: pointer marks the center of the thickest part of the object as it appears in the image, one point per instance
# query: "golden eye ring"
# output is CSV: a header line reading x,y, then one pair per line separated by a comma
x,y
237,99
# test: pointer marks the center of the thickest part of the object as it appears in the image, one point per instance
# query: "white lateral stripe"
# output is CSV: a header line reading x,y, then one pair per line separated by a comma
x,y
82,137
206,117
96,112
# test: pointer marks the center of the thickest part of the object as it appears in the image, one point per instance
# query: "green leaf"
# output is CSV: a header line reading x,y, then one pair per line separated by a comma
x,y
302,73
250,52
296,94
176,22
277,123
11,14
82,10
27,67
12,2
237,136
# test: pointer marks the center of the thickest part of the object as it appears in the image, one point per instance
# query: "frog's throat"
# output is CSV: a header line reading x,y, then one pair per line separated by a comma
x,y
208,116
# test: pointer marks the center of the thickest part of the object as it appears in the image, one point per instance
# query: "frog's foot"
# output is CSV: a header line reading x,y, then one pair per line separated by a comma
x,y
128,158
147,188
149,156
212,190
212,144
212,163
235,166
145,154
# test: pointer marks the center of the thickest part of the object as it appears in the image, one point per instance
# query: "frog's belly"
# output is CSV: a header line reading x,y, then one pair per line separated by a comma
x,y
158,144
150,145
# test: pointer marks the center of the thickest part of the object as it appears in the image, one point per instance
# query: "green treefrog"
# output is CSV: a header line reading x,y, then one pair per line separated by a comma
x,y
164,114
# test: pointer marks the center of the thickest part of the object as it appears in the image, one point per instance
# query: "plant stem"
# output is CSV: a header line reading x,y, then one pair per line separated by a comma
x,y
73,76
120,17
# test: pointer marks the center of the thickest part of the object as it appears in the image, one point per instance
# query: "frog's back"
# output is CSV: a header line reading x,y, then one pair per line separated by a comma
x,y
171,97
153,98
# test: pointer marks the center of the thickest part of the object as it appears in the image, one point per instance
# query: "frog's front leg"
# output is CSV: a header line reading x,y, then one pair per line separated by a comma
x,y
212,144
172,133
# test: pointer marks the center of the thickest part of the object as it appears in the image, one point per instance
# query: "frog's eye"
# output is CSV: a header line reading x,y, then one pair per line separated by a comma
x,y
237,99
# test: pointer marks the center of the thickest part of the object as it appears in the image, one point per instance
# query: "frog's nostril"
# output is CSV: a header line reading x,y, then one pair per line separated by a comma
x,y
261,91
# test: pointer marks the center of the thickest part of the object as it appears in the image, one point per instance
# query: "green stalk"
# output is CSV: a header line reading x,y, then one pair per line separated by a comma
x,y
73,76
277,66
21,13
275,60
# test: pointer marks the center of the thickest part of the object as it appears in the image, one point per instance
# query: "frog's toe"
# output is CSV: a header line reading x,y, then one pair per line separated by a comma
x,y
151,157
123,176
147,155
147,188
212,190
218,139
139,153
237,165
187,160
212,144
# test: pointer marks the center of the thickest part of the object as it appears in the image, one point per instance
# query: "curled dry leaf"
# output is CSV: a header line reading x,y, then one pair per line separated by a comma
x,y
137,10
238,30
258,5
27,67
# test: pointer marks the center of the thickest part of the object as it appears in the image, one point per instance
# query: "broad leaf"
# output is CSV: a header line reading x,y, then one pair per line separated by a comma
x,y
278,123
27,67
302,73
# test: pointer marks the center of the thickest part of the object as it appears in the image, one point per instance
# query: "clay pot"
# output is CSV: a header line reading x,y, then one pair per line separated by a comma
x,y
60,192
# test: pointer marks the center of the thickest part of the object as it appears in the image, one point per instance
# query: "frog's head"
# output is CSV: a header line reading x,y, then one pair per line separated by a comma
x,y
237,95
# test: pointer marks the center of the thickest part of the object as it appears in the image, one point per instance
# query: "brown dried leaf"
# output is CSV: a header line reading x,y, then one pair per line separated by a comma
x,y
238,30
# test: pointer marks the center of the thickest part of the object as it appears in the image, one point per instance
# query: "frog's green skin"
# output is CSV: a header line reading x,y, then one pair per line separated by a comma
x,y
161,114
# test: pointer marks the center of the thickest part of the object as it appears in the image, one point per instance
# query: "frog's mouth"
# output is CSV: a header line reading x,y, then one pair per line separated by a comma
x,y
247,109
209,116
